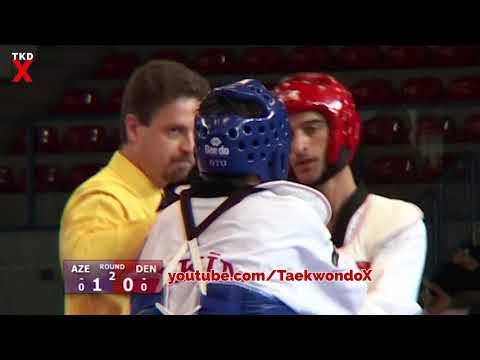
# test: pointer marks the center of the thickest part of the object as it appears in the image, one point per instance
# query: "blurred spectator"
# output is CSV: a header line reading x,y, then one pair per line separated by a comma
x,y
456,288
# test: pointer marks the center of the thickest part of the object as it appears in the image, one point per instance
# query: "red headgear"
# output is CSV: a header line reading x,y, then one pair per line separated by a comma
x,y
323,93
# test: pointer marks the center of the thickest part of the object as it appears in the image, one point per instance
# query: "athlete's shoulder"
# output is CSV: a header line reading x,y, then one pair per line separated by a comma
x,y
387,206
313,197
385,218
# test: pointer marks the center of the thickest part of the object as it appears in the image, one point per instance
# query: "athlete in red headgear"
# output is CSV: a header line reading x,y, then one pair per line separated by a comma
x,y
387,235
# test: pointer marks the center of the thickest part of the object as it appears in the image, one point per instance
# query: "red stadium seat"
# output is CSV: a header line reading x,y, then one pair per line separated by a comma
x,y
422,89
20,143
73,140
113,140
430,172
85,138
6,179
46,140
307,58
48,178
79,101
215,61
453,160
117,66
433,170
79,174
261,60
392,170
359,57
373,91
114,102
464,89
471,128
436,128
385,129
21,181
406,56
454,55
176,55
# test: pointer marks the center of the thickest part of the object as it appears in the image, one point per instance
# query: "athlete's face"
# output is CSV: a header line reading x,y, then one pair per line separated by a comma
x,y
309,145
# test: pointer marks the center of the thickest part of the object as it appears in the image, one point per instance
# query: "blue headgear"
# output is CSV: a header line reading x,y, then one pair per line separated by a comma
x,y
234,144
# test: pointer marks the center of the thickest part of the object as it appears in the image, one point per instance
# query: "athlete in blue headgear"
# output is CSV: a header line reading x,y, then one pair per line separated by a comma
x,y
242,219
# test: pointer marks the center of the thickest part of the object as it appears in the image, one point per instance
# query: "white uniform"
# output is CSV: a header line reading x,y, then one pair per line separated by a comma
x,y
280,228
389,236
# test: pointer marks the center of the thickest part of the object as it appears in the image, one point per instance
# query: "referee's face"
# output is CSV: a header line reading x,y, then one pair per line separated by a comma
x,y
167,144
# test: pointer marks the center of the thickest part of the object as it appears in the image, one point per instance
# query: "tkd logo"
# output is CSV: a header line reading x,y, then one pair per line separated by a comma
x,y
27,59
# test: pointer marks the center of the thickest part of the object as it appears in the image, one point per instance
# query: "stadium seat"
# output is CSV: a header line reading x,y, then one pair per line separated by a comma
x,y
46,140
406,56
114,102
422,89
117,66
215,61
430,172
79,101
359,57
373,91
48,178
448,163
307,58
173,54
436,128
464,89
471,128
384,130
85,138
260,60
391,170
113,140
7,184
19,145
455,161
455,55
79,174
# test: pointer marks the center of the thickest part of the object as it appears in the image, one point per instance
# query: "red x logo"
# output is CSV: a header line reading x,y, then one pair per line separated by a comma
x,y
22,71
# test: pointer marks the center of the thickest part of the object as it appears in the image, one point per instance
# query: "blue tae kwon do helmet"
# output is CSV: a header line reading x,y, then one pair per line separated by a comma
x,y
243,130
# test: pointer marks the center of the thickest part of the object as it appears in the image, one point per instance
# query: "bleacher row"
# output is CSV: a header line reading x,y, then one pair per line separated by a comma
x,y
370,92
387,129
273,60
431,130
382,130
254,60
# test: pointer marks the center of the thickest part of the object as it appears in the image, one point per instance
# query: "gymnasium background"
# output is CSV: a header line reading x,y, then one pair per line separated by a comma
x,y
419,105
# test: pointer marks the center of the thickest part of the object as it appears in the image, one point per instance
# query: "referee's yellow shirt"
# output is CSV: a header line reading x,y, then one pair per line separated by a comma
x,y
107,218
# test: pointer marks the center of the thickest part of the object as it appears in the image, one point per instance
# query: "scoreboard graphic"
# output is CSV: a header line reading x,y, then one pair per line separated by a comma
x,y
112,277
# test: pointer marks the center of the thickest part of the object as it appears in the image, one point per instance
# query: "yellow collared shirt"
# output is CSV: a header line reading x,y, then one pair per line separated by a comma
x,y
107,218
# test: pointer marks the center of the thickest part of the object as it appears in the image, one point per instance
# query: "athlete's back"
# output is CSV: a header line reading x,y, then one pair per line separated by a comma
x,y
242,218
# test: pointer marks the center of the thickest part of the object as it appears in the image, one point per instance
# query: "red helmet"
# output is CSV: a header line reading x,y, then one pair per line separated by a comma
x,y
323,93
